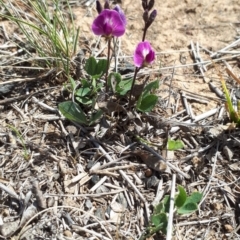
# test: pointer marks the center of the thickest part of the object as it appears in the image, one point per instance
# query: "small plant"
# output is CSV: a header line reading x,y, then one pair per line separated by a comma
x,y
49,31
111,24
26,154
234,114
183,204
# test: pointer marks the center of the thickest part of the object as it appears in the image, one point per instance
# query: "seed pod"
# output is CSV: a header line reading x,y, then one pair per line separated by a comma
x,y
99,7
106,5
145,16
144,4
152,17
151,4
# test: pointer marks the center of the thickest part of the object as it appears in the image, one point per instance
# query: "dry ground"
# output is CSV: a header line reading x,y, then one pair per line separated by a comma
x,y
67,190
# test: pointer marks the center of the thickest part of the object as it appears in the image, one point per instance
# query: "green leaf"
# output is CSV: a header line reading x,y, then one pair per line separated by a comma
x,y
101,67
81,92
94,68
90,66
72,82
146,104
151,86
159,220
233,114
124,86
187,208
190,204
72,111
174,145
195,197
163,206
96,76
84,100
86,83
96,116
181,197
113,80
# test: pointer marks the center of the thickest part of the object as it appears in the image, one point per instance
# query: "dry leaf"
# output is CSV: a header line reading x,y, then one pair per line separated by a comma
x,y
151,160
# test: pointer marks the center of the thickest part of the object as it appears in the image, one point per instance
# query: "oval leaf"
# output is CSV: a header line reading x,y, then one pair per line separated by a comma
x,y
174,145
181,197
81,92
146,104
159,219
187,208
72,111
90,66
196,197
101,66
151,86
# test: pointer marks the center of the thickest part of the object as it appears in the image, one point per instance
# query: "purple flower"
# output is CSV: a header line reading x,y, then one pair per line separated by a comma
x,y
109,23
144,54
121,13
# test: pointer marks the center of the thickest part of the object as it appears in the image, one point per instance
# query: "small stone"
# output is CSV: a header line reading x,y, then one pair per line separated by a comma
x,y
117,207
217,206
95,179
228,153
121,199
100,213
67,233
151,182
72,129
88,204
228,227
102,189
148,172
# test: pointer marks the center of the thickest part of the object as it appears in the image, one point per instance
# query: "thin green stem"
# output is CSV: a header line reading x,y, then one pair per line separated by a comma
x,y
108,63
134,79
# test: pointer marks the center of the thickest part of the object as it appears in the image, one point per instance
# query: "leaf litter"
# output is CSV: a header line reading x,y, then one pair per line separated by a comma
x,y
101,182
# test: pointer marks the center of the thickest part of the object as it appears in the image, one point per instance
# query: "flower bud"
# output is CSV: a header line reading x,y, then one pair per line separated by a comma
x,y
151,4
152,17
98,7
144,4
145,16
106,5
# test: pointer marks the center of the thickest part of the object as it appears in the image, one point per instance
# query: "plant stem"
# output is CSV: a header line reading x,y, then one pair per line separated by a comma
x,y
144,32
108,63
134,79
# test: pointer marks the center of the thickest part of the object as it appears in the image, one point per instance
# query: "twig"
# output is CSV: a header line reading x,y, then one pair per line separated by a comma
x,y
9,191
44,105
21,97
198,60
120,171
211,177
171,209
206,114
168,163
225,48
216,90
93,195
197,222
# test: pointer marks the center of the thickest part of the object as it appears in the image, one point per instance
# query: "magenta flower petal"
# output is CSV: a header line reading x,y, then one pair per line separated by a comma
x,y
108,23
121,13
144,54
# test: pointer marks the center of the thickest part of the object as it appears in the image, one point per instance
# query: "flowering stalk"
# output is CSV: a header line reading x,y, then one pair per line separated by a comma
x,y
148,21
109,23
134,79
108,63
143,56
